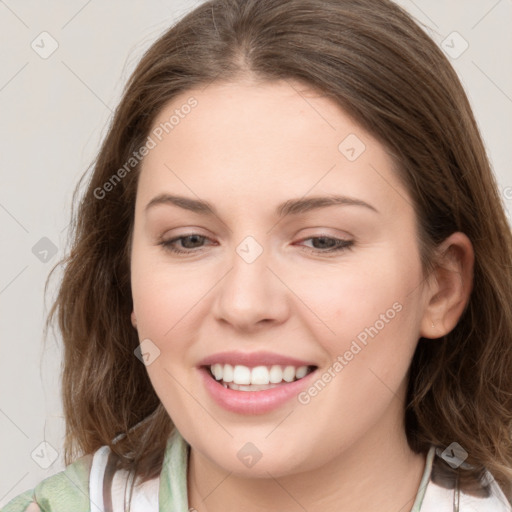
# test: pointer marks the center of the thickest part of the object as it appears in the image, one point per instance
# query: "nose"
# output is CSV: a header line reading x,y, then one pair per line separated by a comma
x,y
252,294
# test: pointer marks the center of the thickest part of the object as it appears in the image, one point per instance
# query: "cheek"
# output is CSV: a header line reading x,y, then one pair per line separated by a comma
x,y
163,295
164,305
357,295
376,323
163,300
370,313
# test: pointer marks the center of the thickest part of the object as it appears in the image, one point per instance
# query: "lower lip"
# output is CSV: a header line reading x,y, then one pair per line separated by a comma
x,y
253,402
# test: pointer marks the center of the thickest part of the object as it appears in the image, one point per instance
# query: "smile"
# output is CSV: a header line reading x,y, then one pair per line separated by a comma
x,y
255,399
258,378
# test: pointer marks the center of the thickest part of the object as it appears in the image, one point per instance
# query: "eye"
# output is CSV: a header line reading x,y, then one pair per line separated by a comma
x,y
326,244
193,243
190,242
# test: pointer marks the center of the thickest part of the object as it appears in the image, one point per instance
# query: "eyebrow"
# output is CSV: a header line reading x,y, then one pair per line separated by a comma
x,y
290,207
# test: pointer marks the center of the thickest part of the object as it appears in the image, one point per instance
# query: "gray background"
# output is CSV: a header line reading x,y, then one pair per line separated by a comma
x,y
54,112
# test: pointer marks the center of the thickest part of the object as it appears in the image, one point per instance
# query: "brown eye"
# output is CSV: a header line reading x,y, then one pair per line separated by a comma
x,y
326,244
188,243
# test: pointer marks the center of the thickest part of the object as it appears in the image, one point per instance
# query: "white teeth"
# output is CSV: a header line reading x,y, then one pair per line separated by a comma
x,y
289,374
241,375
301,372
259,375
276,375
227,374
252,387
217,371
244,376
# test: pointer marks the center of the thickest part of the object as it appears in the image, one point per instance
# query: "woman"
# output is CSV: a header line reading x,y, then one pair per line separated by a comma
x,y
290,281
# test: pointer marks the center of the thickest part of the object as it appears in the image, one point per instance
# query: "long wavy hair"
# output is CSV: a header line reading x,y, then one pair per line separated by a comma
x,y
377,63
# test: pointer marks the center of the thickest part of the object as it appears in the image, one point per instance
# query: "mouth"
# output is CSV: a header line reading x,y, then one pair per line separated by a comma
x,y
255,390
257,378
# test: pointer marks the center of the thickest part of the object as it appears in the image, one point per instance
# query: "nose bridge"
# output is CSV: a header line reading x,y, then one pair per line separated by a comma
x,y
250,292
250,250
249,275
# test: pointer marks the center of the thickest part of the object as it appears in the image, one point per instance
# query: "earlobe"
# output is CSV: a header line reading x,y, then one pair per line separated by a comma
x,y
452,283
133,319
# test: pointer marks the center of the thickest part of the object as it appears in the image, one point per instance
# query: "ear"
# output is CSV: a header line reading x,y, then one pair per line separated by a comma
x,y
133,319
449,287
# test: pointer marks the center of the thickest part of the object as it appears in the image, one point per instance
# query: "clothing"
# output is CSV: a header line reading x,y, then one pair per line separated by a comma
x,y
90,484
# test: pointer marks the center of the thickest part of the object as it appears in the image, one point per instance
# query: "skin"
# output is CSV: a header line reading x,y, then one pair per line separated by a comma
x,y
246,148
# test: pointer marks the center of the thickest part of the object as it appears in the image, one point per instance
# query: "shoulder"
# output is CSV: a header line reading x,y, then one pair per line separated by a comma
x,y
66,490
452,488
93,483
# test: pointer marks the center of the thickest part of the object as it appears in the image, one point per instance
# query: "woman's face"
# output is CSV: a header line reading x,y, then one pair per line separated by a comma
x,y
258,275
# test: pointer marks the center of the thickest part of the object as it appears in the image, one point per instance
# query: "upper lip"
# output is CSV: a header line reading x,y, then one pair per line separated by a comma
x,y
252,359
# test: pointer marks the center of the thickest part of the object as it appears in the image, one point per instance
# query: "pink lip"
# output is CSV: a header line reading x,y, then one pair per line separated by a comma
x,y
253,402
252,359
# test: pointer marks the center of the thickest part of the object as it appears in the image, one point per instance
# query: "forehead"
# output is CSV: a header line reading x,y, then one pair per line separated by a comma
x,y
252,110
267,139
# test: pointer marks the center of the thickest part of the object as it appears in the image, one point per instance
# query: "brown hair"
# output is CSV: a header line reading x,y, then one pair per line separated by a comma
x,y
371,58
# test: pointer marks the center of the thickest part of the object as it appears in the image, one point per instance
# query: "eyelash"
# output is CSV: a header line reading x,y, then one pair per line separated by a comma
x,y
342,245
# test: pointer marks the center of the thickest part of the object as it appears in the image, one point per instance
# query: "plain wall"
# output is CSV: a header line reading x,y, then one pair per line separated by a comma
x,y
54,112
